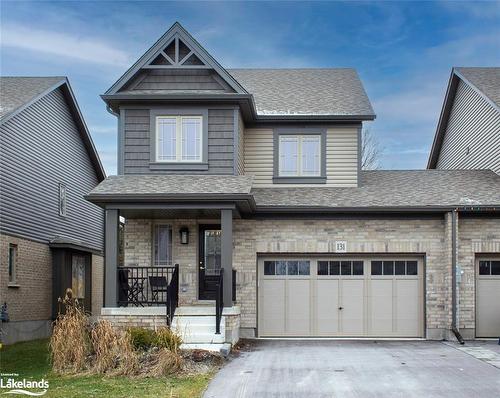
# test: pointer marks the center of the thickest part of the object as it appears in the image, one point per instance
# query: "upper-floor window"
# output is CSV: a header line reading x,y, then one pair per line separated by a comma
x,y
179,138
300,155
62,200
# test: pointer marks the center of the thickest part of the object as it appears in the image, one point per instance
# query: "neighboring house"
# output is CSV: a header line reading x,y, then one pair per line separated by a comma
x,y
468,131
51,237
252,177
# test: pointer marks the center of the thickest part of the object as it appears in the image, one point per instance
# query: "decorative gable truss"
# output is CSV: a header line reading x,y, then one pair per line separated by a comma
x,y
176,62
174,55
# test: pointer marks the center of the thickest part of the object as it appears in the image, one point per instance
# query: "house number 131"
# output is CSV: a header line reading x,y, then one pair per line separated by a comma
x,y
341,246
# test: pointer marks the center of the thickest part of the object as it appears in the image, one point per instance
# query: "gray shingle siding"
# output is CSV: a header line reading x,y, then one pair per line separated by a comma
x,y
137,143
40,148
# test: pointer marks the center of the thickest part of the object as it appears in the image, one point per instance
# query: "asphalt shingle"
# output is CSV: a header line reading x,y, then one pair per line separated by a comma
x,y
391,188
487,80
18,91
331,91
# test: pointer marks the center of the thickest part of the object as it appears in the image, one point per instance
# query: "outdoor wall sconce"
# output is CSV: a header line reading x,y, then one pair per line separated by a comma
x,y
184,231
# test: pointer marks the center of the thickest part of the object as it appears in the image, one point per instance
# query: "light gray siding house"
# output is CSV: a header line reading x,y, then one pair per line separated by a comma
x,y
51,237
242,190
468,131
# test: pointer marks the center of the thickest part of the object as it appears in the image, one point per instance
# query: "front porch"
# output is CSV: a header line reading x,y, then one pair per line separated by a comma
x,y
173,266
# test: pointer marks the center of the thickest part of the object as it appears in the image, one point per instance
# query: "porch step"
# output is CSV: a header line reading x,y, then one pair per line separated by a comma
x,y
198,329
222,348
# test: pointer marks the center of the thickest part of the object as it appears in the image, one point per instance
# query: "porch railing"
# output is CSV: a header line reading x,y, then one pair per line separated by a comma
x,y
148,286
219,300
173,295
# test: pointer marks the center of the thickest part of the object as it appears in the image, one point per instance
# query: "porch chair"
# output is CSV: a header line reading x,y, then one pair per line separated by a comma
x,y
158,285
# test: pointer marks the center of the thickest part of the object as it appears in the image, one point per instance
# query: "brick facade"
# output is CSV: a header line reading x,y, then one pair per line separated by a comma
x,y
430,237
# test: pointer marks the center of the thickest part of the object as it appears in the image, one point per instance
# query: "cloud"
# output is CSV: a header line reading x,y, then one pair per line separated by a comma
x,y
79,47
103,130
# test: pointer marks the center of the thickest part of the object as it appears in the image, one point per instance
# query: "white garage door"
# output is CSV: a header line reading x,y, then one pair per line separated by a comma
x,y
488,298
340,297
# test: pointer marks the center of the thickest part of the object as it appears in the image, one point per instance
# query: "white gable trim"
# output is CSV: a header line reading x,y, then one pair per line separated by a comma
x,y
174,33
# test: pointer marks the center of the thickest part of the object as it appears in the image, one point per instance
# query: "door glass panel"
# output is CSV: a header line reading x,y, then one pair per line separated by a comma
x,y
400,267
357,267
269,268
376,267
78,276
280,267
345,268
322,267
388,267
495,268
303,267
212,251
411,268
293,267
334,267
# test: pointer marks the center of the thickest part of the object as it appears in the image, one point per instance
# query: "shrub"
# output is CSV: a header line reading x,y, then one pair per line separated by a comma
x,y
141,338
167,338
69,344
167,362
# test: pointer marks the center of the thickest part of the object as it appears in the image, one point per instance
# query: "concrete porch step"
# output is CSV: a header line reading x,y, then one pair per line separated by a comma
x,y
223,348
198,329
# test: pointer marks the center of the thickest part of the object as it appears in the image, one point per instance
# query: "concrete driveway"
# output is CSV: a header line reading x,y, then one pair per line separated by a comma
x,y
326,368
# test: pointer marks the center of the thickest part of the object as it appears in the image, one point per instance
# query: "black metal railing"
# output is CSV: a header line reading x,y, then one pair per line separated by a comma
x,y
219,300
147,286
234,286
173,295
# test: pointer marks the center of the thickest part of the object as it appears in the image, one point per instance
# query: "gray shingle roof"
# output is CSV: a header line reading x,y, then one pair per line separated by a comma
x,y
18,91
412,188
172,185
487,80
334,91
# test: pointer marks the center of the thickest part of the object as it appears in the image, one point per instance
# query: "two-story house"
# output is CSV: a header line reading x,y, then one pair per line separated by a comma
x,y
244,187
51,238
468,131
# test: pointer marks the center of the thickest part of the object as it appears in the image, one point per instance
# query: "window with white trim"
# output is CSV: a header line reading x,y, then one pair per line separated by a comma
x,y
179,138
300,155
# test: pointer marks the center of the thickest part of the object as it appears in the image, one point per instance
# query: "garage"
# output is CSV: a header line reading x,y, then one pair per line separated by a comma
x,y
340,296
488,297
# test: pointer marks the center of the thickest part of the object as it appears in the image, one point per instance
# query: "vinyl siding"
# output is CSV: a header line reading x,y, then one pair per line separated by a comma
x,y
42,147
183,80
341,157
136,142
475,124
241,146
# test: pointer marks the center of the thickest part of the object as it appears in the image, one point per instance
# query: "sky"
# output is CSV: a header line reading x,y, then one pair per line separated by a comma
x,y
403,52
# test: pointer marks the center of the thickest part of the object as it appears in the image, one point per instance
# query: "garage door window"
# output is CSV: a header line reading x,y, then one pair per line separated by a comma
x,y
399,267
487,267
287,267
340,268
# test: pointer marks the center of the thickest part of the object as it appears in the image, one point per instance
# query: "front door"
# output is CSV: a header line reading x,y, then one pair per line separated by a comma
x,y
210,260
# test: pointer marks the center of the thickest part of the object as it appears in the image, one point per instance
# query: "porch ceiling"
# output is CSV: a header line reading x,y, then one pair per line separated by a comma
x,y
173,213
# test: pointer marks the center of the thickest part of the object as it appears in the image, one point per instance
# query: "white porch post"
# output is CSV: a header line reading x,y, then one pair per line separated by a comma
x,y
226,217
111,258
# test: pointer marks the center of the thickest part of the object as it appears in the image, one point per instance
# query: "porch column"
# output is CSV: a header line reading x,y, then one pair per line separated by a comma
x,y
111,258
226,222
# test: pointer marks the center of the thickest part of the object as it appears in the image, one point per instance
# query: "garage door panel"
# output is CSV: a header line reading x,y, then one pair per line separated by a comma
x,y
273,307
381,302
327,303
488,307
298,308
352,296
407,311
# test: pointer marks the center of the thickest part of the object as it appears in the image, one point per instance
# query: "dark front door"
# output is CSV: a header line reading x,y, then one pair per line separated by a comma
x,y
210,260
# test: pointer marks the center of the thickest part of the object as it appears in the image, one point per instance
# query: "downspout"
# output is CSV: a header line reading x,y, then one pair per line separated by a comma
x,y
454,290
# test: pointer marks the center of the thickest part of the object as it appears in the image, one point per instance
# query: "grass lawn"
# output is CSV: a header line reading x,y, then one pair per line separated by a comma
x,y
30,360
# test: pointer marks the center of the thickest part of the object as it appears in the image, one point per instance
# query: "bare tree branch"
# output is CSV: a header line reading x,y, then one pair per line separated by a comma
x,y
371,151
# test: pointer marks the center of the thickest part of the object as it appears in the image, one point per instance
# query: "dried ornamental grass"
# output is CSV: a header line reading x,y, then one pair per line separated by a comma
x,y
128,359
69,344
168,338
167,362
105,342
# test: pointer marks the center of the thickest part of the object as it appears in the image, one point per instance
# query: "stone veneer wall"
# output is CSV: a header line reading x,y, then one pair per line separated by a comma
x,y
429,236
